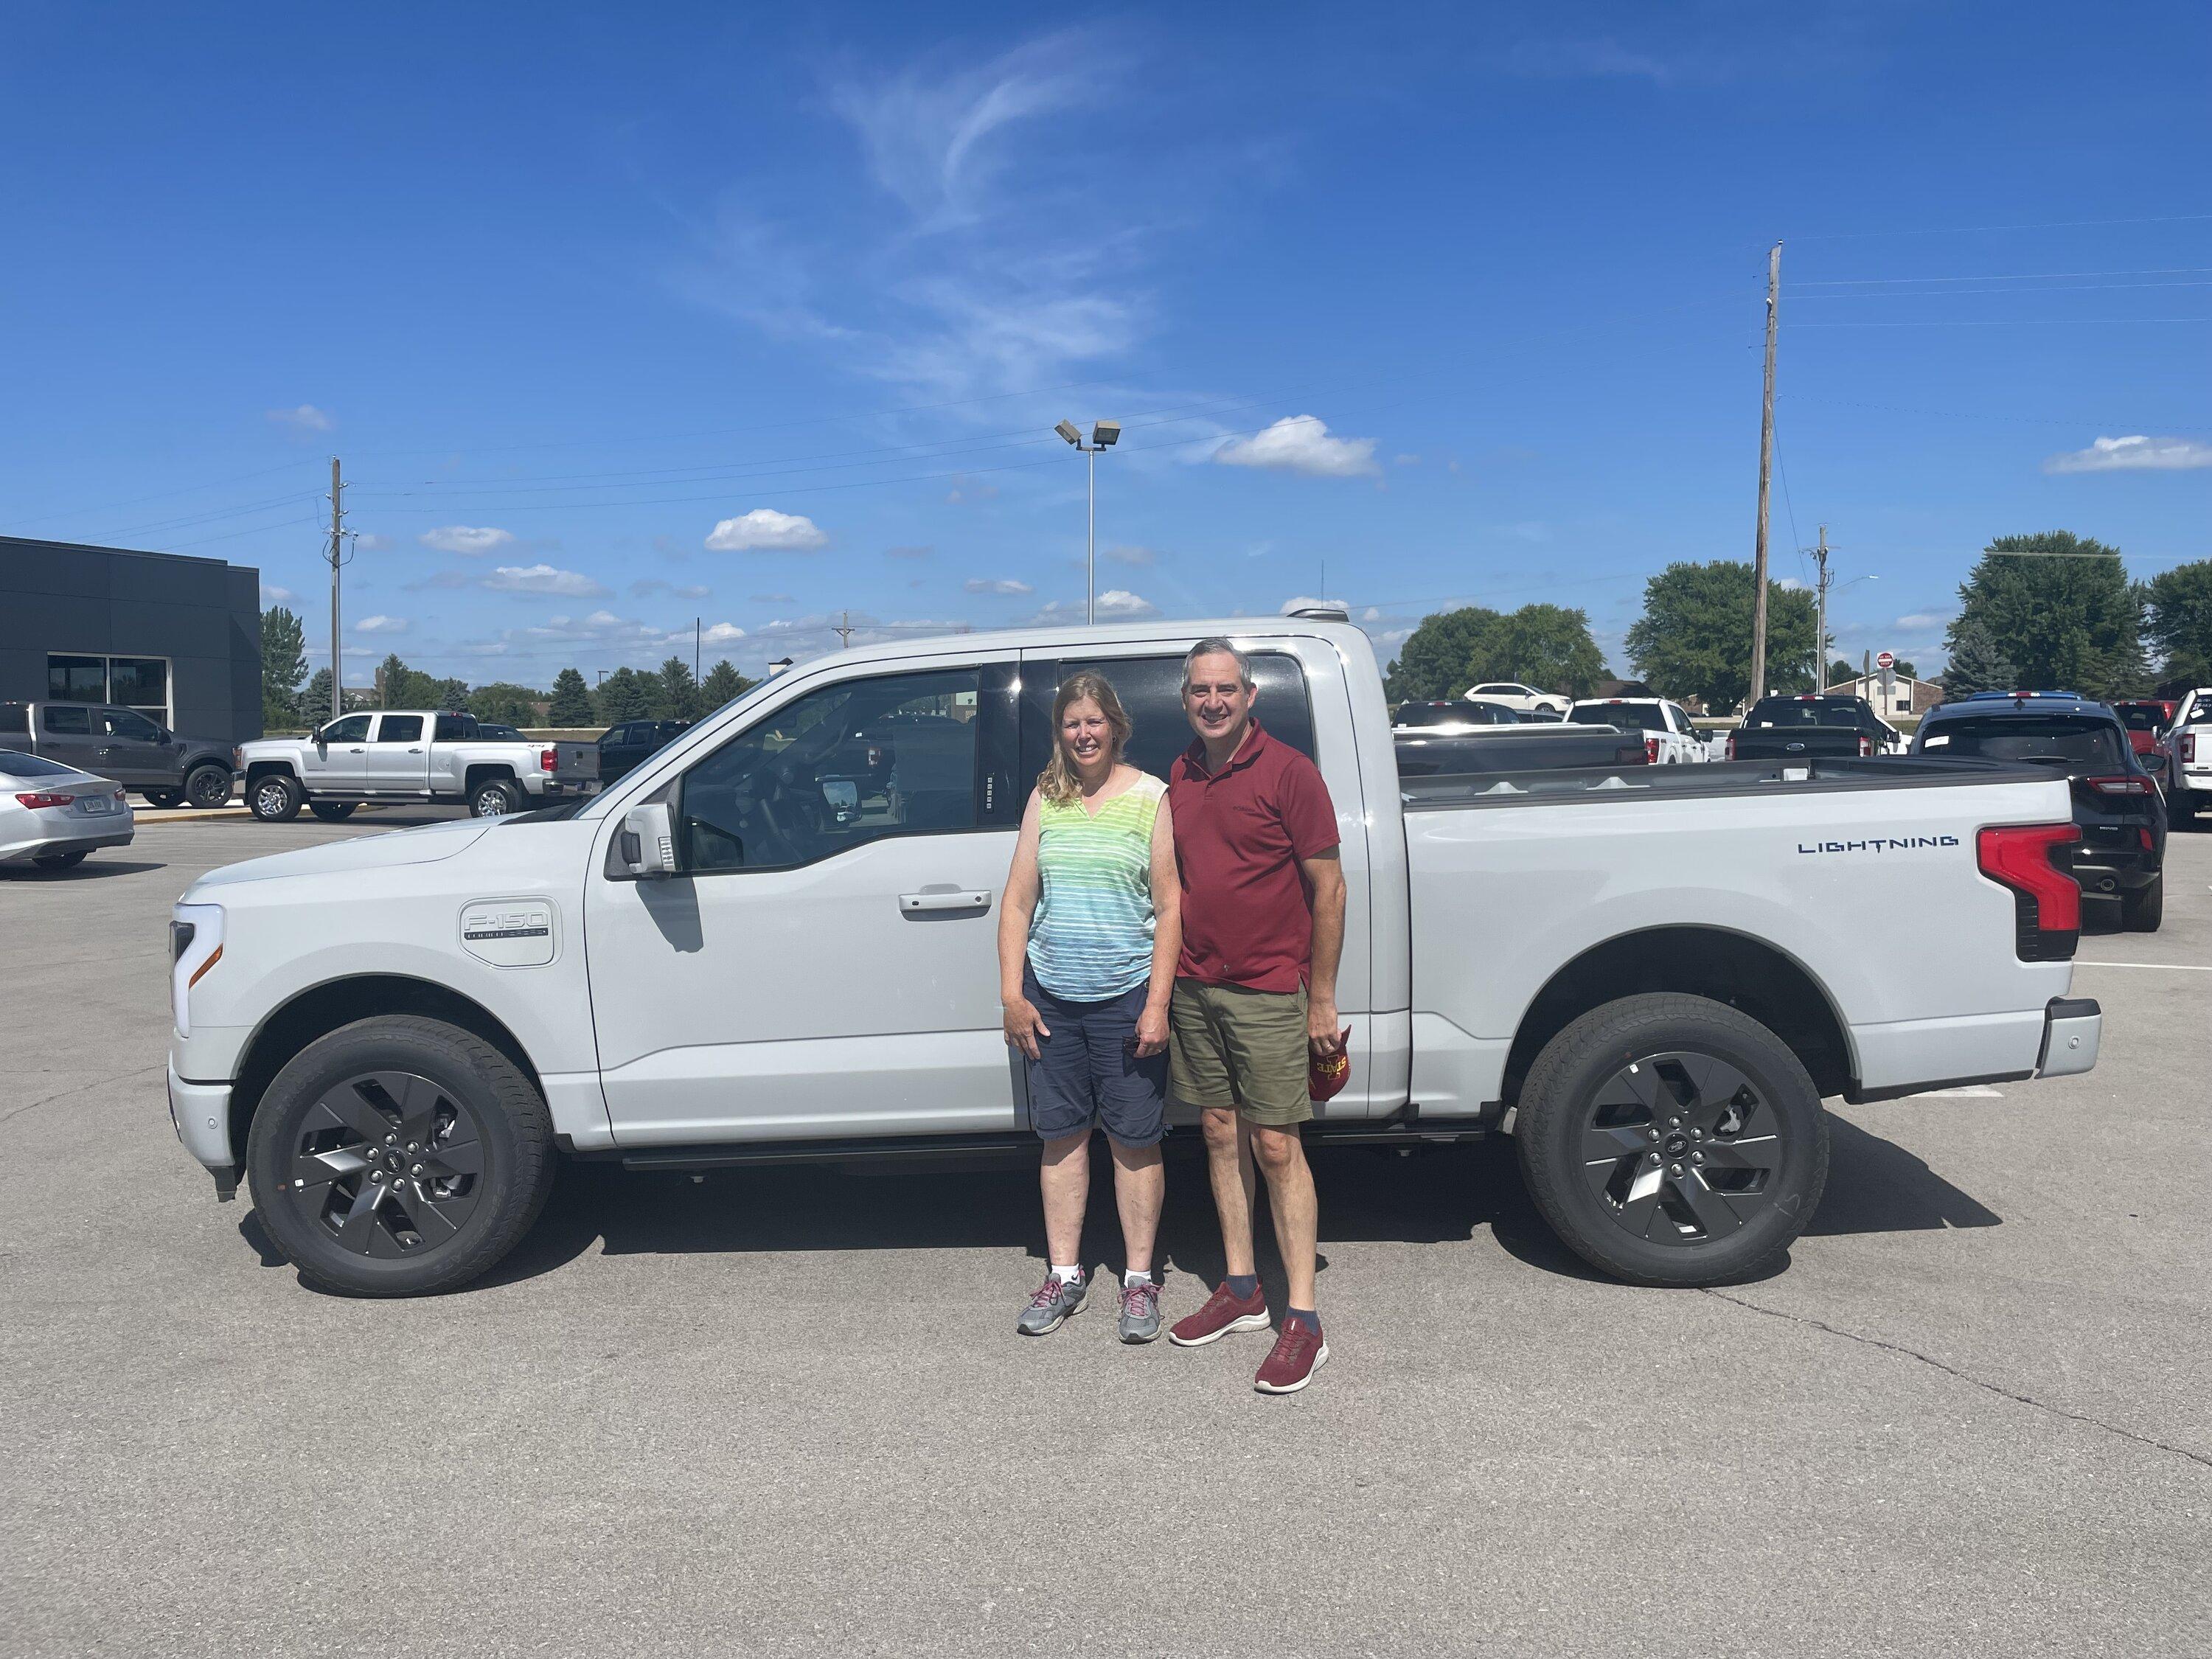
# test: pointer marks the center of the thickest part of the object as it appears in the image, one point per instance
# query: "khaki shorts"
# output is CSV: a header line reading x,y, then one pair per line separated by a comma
x,y
1231,1047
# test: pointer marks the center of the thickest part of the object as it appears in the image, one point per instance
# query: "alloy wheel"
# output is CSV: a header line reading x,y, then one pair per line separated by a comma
x,y
269,798
388,1164
1681,1148
208,788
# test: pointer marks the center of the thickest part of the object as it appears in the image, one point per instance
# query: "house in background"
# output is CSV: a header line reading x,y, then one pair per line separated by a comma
x,y
1906,694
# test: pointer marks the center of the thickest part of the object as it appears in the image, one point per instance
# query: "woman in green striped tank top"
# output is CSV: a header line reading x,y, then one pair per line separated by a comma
x,y
1088,937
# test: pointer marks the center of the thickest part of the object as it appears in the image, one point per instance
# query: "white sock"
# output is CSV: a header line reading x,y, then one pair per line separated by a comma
x,y
1133,1277
1067,1275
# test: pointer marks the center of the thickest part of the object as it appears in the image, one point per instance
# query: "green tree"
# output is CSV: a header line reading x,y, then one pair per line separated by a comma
x,y
675,692
505,702
625,695
1433,661
1839,671
1977,664
2060,610
1905,670
449,694
315,701
2178,619
572,700
723,685
283,667
402,687
1693,638
1546,646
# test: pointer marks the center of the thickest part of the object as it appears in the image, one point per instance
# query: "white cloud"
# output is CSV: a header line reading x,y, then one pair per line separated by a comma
x,y
2135,454
1921,621
1307,602
1301,443
766,530
380,624
1370,615
542,578
1121,602
716,634
277,595
986,585
472,540
369,542
1789,585
306,418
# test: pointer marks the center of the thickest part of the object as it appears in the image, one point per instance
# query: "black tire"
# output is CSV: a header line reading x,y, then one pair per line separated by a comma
x,y
332,811
494,797
164,799
1638,1073
208,786
2142,912
2181,810
60,860
274,798
348,1232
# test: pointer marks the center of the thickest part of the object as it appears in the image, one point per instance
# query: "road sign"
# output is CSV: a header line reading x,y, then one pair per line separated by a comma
x,y
1885,659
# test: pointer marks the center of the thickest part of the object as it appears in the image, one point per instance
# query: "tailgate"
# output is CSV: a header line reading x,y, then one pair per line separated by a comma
x,y
575,763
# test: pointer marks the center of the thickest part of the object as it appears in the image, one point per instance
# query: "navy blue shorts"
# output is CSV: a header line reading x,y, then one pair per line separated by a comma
x,y
1087,1072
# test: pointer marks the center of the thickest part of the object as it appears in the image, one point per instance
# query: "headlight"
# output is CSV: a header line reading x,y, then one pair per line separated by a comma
x,y
195,946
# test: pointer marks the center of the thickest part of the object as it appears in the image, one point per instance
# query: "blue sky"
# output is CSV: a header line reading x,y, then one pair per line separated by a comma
x,y
623,317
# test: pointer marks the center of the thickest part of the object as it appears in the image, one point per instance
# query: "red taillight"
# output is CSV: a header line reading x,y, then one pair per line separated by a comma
x,y
2046,900
1731,745
1866,747
2149,847
37,801
1651,751
548,758
2119,785
2189,747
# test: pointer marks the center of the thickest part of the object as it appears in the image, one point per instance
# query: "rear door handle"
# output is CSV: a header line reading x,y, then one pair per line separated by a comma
x,y
918,903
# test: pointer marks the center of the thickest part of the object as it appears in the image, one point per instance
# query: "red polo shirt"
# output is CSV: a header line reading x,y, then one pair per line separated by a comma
x,y
1239,835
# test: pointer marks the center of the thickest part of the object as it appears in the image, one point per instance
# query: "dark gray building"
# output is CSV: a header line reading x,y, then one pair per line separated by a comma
x,y
177,639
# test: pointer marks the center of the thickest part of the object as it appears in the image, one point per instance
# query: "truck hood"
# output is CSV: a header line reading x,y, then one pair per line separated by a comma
x,y
426,844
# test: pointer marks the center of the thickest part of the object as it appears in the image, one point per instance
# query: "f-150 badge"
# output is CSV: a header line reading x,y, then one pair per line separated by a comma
x,y
510,933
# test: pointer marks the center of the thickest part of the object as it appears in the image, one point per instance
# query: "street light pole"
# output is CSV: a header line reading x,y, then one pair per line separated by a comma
x,y
1103,436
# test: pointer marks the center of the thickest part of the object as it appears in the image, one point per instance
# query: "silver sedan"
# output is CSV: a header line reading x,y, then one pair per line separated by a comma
x,y
52,815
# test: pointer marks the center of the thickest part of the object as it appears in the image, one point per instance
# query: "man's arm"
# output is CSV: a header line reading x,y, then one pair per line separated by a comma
x,y
1325,875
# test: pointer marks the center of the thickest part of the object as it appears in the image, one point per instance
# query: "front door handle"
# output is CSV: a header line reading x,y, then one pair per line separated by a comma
x,y
922,903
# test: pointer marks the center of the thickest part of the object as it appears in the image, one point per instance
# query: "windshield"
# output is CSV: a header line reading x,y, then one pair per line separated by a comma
x,y
16,764
2083,746
1644,716
1789,711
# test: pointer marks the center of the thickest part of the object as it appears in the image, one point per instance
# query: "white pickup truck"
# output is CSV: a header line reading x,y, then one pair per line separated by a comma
x,y
408,755
2188,741
774,939
1670,737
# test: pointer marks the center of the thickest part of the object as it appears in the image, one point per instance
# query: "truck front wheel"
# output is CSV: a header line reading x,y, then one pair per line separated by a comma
x,y
399,1156
493,797
275,798
1672,1140
208,786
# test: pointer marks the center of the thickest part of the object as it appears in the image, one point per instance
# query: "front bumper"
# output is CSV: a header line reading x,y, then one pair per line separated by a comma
x,y
200,1114
2071,1028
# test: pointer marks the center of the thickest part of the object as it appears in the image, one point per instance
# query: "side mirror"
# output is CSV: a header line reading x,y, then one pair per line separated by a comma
x,y
645,845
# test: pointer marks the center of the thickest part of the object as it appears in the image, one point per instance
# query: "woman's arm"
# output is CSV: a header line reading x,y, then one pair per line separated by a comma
x,y
1167,935
1016,909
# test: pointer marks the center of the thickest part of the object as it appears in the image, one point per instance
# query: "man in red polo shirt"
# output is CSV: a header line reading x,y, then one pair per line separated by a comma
x,y
1255,992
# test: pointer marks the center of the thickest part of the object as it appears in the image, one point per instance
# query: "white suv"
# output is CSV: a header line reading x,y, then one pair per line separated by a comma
x,y
1526,698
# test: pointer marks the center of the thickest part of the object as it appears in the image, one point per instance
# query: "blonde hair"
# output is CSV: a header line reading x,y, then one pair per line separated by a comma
x,y
1058,782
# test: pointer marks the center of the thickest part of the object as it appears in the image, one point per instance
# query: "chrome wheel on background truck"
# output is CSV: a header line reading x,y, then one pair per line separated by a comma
x,y
1672,1140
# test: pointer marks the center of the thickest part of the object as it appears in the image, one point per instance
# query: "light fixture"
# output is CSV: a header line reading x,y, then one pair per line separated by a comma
x,y
1072,432
1106,433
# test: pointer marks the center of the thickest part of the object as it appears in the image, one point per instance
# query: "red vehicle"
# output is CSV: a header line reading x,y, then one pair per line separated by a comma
x,y
2148,720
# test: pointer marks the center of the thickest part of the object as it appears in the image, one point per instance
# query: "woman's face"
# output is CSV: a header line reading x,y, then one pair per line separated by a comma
x,y
1083,732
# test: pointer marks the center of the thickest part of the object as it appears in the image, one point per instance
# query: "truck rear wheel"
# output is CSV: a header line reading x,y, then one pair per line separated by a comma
x,y
1672,1140
493,797
165,798
275,798
399,1156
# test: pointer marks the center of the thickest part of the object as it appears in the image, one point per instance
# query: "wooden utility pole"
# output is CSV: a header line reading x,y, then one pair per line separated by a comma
x,y
843,631
1820,627
338,559
696,624
1765,471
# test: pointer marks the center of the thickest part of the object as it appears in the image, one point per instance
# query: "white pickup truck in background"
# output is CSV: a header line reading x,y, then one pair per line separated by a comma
x,y
1670,737
408,754
2188,742
774,939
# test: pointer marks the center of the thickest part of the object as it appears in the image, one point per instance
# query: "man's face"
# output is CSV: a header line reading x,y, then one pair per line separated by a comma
x,y
1216,698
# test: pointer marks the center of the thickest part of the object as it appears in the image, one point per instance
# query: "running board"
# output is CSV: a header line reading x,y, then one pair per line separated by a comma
x,y
1013,1145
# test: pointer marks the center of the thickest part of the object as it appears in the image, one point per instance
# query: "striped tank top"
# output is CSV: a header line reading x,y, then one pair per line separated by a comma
x,y
1090,939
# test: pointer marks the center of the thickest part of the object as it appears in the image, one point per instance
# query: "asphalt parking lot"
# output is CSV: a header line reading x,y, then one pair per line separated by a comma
x,y
785,1412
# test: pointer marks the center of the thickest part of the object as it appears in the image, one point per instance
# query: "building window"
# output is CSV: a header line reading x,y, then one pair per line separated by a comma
x,y
139,683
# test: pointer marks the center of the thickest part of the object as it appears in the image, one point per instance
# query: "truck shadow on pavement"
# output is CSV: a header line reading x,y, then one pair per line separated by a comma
x,y
1434,1195
90,870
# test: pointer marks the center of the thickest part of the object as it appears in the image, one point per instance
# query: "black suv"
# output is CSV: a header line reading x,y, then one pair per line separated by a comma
x,y
122,744
623,746
2122,852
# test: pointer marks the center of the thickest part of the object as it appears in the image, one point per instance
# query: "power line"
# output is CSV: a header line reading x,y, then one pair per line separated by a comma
x,y
2005,322
2021,293
159,495
2008,276
1975,230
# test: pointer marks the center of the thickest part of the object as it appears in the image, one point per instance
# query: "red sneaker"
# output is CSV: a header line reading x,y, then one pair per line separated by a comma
x,y
1224,1311
1299,1353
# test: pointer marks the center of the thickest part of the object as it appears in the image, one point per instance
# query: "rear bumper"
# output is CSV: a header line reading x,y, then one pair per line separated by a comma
x,y
200,1114
120,835
568,789
2071,1028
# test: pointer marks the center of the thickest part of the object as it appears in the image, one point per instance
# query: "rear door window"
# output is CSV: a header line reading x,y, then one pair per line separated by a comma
x,y
68,722
400,728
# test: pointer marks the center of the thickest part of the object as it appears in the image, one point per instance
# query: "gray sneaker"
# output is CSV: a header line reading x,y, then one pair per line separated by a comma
x,y
1140,1311
1053,1302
